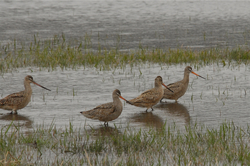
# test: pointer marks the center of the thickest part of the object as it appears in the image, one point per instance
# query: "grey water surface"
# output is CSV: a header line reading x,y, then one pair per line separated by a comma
x,y
222,97
128,24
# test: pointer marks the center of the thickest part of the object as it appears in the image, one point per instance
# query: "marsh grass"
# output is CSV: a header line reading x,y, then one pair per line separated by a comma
x,y
197,145
47,145
63,53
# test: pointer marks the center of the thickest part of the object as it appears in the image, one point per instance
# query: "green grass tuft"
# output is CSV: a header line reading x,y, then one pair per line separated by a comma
x,y
60,52
196,145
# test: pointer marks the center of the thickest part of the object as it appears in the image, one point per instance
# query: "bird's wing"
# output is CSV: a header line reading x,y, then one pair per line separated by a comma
x,y
100,111
105,106
145,97
175,87
12,99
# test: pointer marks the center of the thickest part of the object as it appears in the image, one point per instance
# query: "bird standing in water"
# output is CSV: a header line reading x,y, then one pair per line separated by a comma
x,y
150,97
108,111
17,101
179,88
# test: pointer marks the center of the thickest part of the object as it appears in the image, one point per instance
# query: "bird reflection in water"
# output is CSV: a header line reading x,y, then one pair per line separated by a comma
x,y
148,119
20,119
175,109
103,131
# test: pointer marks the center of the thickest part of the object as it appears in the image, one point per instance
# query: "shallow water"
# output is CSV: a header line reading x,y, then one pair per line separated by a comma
x,y
223,96
127,24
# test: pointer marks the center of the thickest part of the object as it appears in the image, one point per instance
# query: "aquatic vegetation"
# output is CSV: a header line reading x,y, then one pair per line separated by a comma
x,y
63,53
112,146
227,144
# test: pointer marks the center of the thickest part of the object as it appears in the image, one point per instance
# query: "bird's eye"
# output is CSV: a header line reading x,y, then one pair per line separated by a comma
x,y
31,78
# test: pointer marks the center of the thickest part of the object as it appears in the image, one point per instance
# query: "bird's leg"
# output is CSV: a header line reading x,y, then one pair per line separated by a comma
x,y
163,101
13,111
106,124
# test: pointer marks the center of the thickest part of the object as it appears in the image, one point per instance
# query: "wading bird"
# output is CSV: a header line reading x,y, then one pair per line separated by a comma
x,y
150,97
179,88
108,111
17,101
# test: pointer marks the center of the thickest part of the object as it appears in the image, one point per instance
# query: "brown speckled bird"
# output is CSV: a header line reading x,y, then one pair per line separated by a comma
x,y
17,101
108,111
179,88
150,97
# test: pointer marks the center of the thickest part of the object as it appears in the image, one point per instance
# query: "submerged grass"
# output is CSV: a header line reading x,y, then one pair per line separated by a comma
x,y
197,145
59,52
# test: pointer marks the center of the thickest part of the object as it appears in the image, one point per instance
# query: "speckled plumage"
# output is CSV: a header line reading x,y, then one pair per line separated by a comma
x,y
150,97
16,101
108,111
179,88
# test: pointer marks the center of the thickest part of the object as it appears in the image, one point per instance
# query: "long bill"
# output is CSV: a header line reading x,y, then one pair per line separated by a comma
x,y
125,100
41,86
197,75
167,87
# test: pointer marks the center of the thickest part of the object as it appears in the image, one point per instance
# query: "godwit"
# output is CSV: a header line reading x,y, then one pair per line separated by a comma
x,y
150,97
179,87
19,100
108,111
